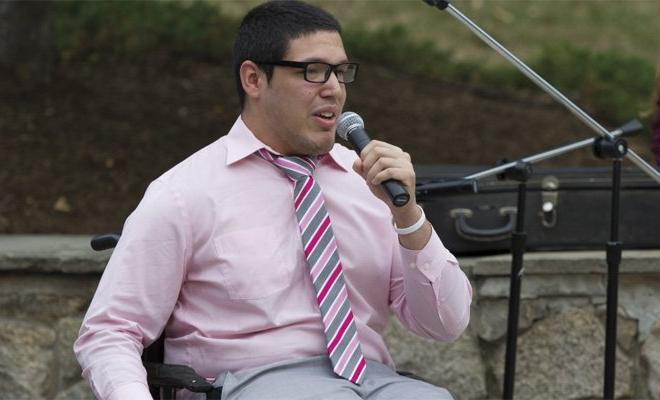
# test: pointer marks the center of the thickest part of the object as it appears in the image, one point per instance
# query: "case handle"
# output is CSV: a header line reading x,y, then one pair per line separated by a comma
x,y
461,215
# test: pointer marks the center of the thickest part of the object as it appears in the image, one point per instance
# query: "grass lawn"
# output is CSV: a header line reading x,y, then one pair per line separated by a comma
x,y
630,27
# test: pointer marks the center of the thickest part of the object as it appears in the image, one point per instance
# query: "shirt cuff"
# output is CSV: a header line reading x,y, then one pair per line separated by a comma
x,y
133,391
107,376
428,263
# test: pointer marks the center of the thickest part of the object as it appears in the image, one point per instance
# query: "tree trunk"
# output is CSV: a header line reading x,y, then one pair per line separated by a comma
x,y
27,49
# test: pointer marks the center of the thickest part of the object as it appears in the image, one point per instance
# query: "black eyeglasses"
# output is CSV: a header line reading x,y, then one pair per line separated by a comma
x,y
319,72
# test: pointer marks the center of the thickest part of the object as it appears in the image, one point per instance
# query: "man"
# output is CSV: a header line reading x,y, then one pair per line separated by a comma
x,y
273,273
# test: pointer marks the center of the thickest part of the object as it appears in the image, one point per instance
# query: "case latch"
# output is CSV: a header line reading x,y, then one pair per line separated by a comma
x,y
549,201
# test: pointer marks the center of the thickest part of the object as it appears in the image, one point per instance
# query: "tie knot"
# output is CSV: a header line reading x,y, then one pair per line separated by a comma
x,y
296,167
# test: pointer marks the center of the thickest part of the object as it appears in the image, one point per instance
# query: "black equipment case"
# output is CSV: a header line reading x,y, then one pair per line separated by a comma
x,y
566,209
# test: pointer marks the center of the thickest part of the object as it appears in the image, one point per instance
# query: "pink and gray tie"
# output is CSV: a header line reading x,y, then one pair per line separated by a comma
x,y
322,256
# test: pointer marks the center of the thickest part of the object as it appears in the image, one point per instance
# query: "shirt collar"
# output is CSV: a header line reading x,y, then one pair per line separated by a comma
x,y
241,143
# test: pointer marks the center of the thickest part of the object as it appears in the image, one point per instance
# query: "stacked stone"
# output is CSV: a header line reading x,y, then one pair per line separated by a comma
x,y
47,282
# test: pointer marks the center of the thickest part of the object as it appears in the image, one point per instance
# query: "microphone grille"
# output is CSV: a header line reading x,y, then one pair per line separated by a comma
x,y
348,121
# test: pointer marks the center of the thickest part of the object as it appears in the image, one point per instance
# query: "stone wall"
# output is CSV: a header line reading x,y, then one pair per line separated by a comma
x,y
46,283
561,330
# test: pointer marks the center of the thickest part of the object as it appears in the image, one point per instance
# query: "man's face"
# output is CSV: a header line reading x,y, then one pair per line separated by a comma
x,y
300,116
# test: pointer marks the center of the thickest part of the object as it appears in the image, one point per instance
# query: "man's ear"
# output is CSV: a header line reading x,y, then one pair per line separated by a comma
x,y
253,79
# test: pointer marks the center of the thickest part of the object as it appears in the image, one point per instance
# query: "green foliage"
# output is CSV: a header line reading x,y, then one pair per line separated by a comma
x,y
131,28
394,47
615,86
618,86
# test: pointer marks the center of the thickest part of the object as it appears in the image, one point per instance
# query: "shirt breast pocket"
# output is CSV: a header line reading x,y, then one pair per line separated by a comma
x,y
252,263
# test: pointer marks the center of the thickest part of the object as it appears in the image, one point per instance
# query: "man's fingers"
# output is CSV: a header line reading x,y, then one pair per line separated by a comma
x,y
376,150
400,174
384,164
381,161
357,166
377,144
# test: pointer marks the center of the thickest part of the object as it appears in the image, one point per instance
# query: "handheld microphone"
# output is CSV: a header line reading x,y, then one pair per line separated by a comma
x,y
351,128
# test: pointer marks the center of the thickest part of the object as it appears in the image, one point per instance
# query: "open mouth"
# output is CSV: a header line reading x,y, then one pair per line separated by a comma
x,y
328,116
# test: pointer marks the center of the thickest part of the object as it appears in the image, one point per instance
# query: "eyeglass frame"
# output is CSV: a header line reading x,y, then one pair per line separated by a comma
x,y
304,64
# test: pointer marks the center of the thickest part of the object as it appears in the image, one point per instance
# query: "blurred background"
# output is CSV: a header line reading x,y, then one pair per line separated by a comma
x,y
98,98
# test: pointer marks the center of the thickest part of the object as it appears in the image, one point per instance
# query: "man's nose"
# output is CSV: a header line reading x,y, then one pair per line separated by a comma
x,y
332,84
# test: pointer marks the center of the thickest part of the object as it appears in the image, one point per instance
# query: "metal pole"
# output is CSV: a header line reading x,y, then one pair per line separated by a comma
x,y
468,183
539,157
614,247
545,86
518,239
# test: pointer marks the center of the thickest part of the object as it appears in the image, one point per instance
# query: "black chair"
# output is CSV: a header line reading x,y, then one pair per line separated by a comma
x,y
165,379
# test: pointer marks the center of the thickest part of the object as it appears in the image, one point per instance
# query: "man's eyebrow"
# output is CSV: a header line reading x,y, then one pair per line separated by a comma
x,y
316,59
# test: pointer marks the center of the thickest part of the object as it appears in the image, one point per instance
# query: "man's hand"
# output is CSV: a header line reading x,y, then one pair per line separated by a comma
x,y
380,161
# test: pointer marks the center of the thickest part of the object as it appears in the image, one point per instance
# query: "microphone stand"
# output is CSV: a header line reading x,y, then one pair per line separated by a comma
x,y
542,83
615,150
610,151
520,171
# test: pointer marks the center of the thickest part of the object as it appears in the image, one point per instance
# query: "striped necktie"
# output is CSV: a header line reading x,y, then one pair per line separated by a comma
x,y
325,267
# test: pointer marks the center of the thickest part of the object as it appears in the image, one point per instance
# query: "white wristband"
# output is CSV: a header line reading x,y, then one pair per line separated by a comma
x,y
414,227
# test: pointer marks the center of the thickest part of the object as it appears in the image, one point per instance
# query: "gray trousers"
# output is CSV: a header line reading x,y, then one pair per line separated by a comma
x,y
312,378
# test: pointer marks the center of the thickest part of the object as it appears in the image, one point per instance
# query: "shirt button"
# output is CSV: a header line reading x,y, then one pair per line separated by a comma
x,y
426,267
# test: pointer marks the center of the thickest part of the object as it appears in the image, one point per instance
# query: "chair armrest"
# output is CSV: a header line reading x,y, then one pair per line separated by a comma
x,y
176,376
411,375
104,242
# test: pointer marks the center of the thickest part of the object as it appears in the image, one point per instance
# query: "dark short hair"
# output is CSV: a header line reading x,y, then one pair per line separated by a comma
x,y
266,31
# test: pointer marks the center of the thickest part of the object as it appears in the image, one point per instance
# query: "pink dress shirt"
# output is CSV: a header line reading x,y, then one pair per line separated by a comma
x,y
212,255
